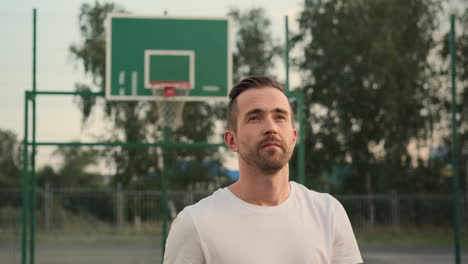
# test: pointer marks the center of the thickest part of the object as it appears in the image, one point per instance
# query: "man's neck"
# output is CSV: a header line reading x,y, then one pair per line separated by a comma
x,y
262,189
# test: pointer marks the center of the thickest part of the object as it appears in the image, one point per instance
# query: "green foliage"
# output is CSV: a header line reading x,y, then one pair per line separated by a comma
x,y
461,44
8,218
73,171
47,175
368,85
200,176
255,47
92,51
133,121
124,115
411,237
98,204
10,153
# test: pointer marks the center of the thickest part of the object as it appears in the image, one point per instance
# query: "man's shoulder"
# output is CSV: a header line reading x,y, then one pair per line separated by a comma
x,y
312,194
207,204
315,199
333,223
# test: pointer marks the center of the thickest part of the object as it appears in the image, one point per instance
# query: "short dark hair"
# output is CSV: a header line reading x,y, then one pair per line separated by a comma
x,y
245,84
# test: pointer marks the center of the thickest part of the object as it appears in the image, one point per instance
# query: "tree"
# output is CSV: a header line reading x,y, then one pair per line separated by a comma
x,y
255,48
75,164
368,86
73,170
133,121
125,115
462,79
10,172
47,175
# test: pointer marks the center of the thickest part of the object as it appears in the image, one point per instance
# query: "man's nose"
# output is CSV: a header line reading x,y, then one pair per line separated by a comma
x,y
270,127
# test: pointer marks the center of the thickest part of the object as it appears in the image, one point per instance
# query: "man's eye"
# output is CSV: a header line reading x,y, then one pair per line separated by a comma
x,y
281,117
253,118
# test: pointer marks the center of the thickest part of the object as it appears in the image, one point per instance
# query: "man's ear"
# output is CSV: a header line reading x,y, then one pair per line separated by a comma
x,y
295,136
230,140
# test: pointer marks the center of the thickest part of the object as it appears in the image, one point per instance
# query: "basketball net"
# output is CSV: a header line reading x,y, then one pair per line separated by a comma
x,y
170,111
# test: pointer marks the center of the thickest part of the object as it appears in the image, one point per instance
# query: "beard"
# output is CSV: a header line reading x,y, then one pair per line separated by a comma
x,y
268,161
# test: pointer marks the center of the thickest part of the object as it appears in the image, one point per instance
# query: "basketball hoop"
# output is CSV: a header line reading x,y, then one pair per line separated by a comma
x,y
169,110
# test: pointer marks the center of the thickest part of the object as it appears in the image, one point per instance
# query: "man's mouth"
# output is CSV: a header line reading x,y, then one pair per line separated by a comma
x,y
271,144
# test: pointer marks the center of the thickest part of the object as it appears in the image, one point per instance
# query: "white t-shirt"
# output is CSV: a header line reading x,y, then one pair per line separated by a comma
x,y
309,227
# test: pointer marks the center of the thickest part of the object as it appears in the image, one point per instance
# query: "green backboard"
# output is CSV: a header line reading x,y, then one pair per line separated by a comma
x,y
144,50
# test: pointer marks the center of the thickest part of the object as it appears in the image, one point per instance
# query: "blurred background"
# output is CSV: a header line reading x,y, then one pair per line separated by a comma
x,y
375,76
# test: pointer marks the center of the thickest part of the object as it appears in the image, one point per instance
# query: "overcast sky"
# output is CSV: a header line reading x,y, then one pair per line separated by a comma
x,y
58,118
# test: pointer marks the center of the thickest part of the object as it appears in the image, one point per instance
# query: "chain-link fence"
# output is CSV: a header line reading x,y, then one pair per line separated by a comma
x,y
10,225
126,215
396,212
111,211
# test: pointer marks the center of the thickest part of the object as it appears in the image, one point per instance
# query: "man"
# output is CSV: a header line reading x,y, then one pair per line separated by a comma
x,y
262,218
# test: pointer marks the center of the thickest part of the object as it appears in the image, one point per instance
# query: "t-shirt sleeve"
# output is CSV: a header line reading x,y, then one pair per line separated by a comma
x,y
183,242
345,247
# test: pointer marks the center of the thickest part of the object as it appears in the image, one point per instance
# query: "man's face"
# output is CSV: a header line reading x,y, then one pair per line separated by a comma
x,y
265,136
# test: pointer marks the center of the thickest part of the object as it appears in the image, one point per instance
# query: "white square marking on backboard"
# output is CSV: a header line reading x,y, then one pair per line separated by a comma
x,y
189,53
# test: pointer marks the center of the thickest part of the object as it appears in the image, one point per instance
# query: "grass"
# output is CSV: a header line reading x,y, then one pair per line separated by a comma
x,y
88,229
411,236
99,239
149,233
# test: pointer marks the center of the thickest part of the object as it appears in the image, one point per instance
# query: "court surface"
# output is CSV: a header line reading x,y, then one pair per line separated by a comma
x,y
147,250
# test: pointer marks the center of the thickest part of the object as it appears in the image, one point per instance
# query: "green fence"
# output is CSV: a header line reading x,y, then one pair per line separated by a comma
x,y
107,211
107,221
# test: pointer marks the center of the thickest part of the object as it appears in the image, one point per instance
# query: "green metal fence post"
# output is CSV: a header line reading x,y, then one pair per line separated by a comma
x,y
300,107
455,153
286,53
32,223
70,93
164,184
32,187
28,209
132,144
25,200
301,156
